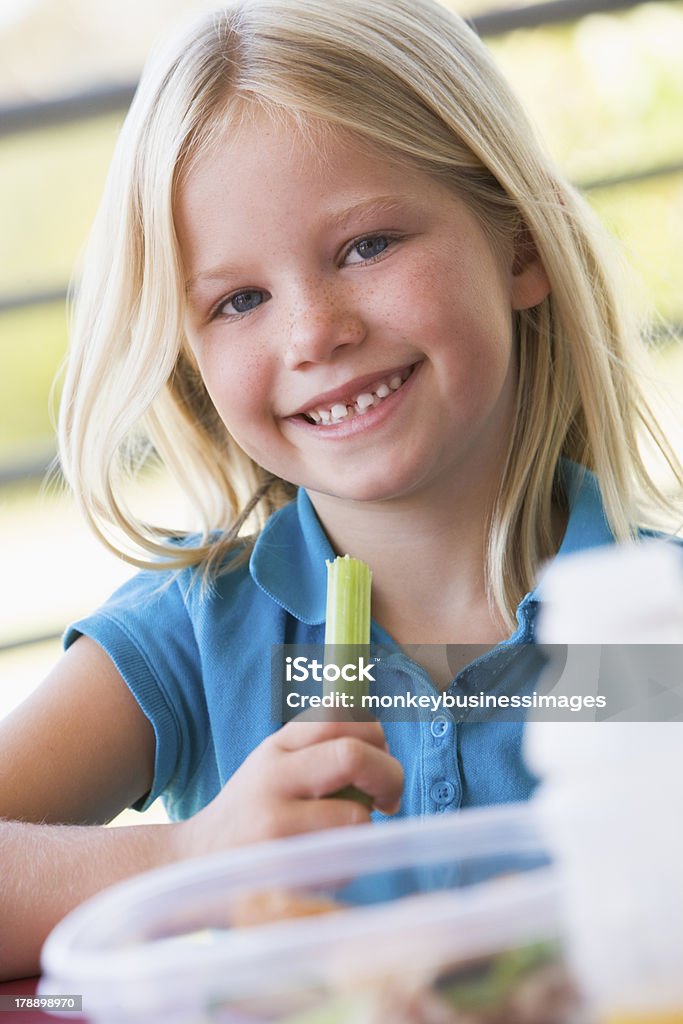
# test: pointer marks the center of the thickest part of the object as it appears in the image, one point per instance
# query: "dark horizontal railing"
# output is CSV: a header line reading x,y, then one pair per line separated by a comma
x,y
95,102
36,467
116,98
30,641
40,297
552,12
632,177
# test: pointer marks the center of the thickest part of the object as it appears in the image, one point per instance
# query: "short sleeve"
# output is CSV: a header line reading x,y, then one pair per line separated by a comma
x,y
146,629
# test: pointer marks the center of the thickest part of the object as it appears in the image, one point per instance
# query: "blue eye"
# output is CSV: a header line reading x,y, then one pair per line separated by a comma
x,y
367,248
244,302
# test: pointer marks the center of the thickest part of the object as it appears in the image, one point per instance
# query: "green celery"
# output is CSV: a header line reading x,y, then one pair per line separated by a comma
x,y
347,621
347,633
347,617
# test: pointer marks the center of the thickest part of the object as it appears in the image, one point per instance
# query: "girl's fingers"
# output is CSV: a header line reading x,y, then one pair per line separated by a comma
x,y
313,815
322,769
304,732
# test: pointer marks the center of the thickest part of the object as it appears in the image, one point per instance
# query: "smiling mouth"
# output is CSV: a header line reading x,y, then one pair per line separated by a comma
x,y
360,404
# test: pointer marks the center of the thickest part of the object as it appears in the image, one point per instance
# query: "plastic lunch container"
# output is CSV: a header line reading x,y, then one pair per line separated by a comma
x,y
431,921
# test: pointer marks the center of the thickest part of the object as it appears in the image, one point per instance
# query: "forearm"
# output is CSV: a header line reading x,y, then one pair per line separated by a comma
x,y
47,870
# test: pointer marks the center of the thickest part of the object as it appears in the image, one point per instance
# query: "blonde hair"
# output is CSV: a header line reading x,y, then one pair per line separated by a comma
x,y
412,78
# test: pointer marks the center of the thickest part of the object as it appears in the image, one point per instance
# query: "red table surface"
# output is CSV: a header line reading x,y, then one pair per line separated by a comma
x,y
27,987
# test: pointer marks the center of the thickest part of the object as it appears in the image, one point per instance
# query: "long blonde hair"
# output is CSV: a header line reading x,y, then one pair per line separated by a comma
x,y
412,78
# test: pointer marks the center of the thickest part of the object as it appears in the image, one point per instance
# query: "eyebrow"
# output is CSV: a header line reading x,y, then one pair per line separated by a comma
x,y
219,273
376,207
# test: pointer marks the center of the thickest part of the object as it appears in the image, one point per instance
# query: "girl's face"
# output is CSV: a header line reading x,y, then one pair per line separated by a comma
x,y
350,319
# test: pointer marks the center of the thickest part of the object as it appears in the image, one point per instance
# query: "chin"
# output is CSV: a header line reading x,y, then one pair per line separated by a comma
x,y
377,488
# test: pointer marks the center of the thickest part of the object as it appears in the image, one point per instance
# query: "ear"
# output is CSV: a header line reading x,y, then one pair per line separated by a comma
x,y
529,284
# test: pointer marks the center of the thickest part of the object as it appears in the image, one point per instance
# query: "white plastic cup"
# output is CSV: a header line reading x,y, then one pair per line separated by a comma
x,y
611,798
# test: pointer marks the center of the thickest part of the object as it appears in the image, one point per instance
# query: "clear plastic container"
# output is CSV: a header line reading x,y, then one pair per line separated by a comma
x,y
431,920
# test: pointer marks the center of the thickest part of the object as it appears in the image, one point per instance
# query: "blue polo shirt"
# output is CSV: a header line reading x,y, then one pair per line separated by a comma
x,y
200,667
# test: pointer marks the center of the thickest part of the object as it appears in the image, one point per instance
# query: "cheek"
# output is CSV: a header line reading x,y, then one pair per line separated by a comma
x,y
463,320
237,389
412,302
234,382
463,311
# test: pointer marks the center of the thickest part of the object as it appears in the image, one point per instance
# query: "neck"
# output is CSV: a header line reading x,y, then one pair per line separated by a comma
x,y
427,555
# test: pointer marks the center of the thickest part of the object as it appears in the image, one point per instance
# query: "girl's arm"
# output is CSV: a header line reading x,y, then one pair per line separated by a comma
x,y
80,749
47,870
76,752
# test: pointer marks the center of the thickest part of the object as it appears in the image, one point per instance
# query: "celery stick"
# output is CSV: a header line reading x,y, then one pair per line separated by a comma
x,y
347,621
347,634
347,618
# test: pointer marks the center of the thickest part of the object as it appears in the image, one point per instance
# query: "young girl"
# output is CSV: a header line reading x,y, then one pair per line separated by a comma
x,y
331,257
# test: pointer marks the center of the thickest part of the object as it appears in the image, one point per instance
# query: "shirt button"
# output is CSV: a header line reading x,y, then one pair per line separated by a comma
x,y
440,726
442,793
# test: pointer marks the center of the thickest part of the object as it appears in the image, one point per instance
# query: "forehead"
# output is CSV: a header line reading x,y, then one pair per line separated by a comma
x,y
262,161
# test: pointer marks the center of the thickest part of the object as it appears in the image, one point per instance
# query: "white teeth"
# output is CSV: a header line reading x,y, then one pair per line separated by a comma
x,y
365,401
339,411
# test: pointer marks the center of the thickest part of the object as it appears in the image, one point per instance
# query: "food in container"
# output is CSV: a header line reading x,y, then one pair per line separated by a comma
x,y
449,920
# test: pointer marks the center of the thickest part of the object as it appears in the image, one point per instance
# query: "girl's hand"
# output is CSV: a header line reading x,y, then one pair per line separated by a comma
x,y
285,786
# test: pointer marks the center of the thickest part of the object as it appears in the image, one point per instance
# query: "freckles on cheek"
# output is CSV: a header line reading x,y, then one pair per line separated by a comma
x,y
408,305
241,396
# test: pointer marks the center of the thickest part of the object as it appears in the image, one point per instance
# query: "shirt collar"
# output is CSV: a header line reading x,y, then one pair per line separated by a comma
x,y
587,526
288,560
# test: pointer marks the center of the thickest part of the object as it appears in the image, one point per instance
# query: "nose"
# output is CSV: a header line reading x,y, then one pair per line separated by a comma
x,y
321,322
